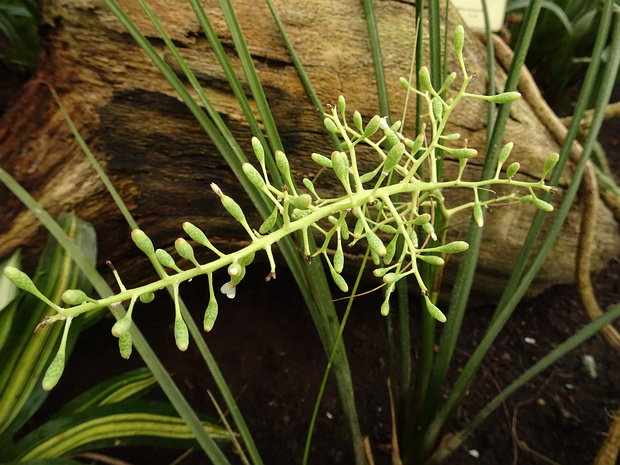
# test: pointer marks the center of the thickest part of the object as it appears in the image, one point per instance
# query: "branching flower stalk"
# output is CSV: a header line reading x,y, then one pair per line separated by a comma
x,y
365,211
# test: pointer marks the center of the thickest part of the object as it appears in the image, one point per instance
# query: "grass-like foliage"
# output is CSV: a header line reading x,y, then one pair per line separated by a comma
x,y
396,209
396,232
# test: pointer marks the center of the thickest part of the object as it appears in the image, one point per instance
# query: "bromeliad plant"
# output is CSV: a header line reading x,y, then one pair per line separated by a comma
x,y
395,209
108,414
397,233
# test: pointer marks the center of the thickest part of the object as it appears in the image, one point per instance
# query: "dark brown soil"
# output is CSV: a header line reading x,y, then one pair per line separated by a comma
x,y
270,355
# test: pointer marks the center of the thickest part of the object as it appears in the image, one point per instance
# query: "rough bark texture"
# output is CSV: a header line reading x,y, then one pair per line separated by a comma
x,y
162,162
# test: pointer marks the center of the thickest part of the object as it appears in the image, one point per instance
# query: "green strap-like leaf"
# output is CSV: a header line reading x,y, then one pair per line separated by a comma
x,y
26,354
129,385
125,423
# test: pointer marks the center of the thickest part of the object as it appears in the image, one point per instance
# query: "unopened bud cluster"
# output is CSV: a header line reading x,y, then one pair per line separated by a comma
x,y
389,208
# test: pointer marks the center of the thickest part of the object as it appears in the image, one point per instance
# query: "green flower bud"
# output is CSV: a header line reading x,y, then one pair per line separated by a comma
x,y
121,326
393,157
478,217
415,145
414,237
259,151
147,298
432,259
358,229
526,198
20,279
125,345
388,229
302,201
299,214
74,296
143,242
366,177
448,81
464,153
54,371
253,176
385,306
195,233
210,314
339,258
375,244
357,121
512,169
344,231
269,222
341,105
339,280
380,272
428,227
390,250
452,247
453,136
340,164
372,126
376,260
425,78
185,250
421,219
330,125
505,153
229,204
391,278
166,259
310,186
321,160
459,40
550,162
181,334
437,108
434,311
506,97
542,205
283,164
233,208
396,126
391,137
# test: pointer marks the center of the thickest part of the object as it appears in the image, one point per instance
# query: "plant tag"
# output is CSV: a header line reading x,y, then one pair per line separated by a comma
x,y
471,11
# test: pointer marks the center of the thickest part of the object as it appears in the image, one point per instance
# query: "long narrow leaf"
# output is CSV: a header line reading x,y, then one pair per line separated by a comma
x,y
560,351
502,313
26,354
129,385
100,285
377,58
126,423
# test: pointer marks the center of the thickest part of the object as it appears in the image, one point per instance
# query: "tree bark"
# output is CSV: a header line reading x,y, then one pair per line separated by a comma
x,y
162,163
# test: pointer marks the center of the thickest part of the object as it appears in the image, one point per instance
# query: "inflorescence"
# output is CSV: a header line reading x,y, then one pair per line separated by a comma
x,y
391,208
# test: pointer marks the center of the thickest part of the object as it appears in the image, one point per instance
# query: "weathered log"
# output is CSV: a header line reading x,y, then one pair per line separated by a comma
x,y
162,162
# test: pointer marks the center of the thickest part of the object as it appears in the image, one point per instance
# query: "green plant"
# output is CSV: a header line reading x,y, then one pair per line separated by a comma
x,y
564,34
366,196
108,414
418,406
18,24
